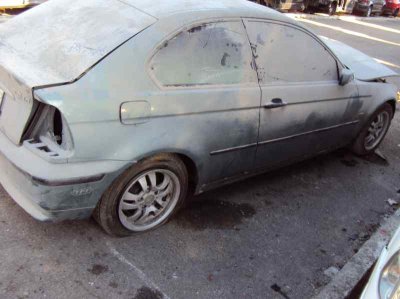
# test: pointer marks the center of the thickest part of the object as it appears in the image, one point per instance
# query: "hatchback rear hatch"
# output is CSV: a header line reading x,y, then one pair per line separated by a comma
x,y
56,43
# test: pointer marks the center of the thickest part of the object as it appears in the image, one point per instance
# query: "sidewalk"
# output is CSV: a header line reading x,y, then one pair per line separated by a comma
x,y
354,270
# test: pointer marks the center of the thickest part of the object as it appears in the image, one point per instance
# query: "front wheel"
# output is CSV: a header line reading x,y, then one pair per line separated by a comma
x,y
144,197
374,131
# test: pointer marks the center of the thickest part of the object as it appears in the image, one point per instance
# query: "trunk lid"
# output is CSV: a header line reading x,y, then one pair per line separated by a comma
x,y
365,68
56,43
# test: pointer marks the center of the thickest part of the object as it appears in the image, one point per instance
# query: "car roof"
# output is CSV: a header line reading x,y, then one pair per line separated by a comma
x,y
242,8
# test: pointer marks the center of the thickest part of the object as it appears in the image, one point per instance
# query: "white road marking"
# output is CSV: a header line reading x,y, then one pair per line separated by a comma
x,y
351,32
387,63
137,271
355,21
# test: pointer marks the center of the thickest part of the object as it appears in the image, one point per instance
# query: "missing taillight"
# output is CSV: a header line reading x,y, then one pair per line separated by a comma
x,y
49,133
57,127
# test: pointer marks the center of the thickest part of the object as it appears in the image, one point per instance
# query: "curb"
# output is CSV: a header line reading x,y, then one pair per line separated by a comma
x,y
353,271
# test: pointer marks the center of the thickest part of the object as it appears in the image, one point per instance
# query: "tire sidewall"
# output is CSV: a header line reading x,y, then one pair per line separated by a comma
x,y
358,145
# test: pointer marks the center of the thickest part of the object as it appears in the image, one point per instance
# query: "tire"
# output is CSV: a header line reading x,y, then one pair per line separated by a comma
x,y
396,12
368,12
117,221
383,11
360,146
332,8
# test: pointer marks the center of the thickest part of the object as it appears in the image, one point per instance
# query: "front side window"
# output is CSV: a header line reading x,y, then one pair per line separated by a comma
x,y
286,54
214,53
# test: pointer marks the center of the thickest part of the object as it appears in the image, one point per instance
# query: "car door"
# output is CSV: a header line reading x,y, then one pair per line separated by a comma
x,y
304,110
208,97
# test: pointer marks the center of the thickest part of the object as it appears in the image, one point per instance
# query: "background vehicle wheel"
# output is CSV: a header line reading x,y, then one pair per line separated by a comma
x,y
332,8
383,11
374,131
396,12
143,197
368,12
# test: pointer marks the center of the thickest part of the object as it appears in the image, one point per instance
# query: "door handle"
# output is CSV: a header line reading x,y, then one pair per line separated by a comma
x,y
275,103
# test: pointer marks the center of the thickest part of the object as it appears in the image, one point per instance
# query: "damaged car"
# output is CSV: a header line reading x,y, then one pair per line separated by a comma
x,y
125,115
384,282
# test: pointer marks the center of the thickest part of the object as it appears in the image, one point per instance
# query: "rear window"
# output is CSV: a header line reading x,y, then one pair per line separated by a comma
x,y
214,53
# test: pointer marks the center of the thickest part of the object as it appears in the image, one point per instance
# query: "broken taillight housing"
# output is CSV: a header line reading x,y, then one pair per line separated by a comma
x,y
48,133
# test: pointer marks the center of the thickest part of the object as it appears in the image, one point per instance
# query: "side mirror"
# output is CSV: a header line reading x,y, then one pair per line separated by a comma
x,y
346,76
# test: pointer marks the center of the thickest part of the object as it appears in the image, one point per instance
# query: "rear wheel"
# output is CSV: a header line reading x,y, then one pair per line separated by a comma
x,y
374,131
144,197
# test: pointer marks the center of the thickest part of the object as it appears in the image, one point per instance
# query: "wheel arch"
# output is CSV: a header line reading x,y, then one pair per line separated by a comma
x,y
392,103
187,158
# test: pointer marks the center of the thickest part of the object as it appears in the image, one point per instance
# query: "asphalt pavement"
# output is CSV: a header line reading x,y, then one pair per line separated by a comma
x,y
271,236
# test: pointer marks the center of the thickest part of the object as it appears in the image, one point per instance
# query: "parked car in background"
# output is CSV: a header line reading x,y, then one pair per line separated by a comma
x,y
13,4
369,7
125,115
329,6
283,5
392,7
18,4
384,282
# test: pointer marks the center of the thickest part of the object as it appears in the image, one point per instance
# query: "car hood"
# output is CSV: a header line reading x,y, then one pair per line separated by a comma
x,y
365,68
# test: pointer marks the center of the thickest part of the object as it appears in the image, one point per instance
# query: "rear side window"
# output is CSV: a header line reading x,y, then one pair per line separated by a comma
x,y
287,54
214,53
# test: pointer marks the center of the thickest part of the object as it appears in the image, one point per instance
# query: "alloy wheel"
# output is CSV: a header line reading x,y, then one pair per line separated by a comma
x,y
377,130
149,199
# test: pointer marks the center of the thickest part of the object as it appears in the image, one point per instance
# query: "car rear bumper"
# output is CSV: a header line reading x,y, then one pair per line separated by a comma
x,y
54,192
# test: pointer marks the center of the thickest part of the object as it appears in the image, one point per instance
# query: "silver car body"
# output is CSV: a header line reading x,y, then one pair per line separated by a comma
x,y
93,61
371,290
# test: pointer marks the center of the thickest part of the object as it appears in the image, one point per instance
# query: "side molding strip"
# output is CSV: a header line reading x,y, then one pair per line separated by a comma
x,y
241,147
309,132
231,149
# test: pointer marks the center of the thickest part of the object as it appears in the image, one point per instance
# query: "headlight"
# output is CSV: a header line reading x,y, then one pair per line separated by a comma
x,y
389,282
398,96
